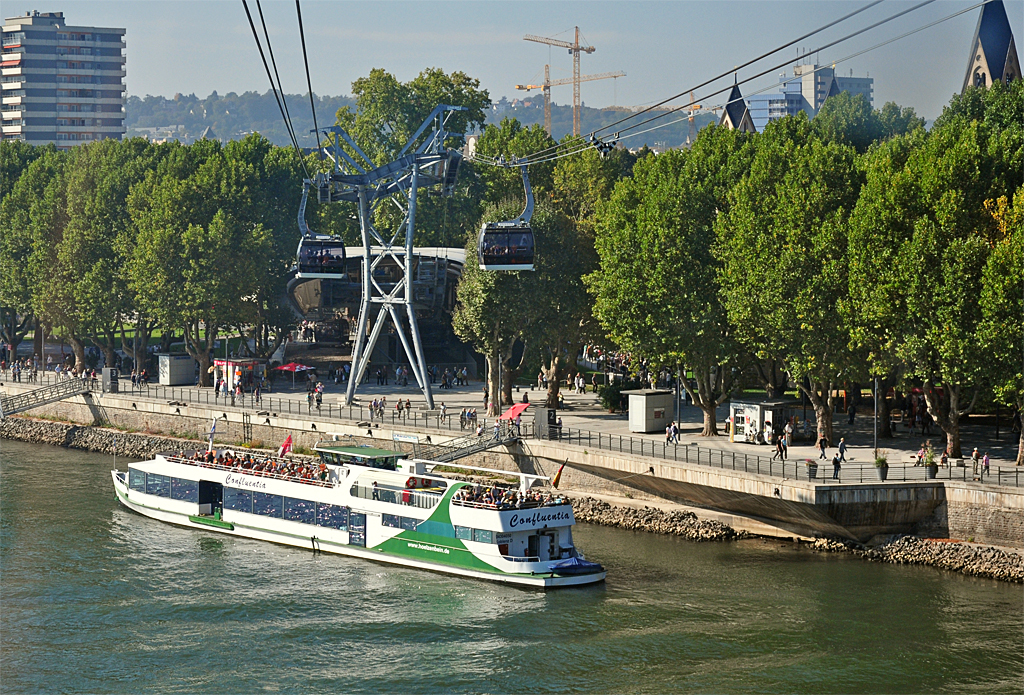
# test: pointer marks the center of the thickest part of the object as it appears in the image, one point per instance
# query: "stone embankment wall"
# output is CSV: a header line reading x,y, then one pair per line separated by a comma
x,y
988,562
676,523
132,446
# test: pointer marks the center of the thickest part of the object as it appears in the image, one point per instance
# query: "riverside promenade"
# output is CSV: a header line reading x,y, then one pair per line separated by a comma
x,y
602,457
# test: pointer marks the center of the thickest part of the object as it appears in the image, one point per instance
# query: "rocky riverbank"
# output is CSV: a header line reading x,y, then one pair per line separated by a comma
x,y
977,561
676,523
128,444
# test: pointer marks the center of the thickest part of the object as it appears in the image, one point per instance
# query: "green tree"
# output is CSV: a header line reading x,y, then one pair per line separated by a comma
x,y
21,210
1001,332
782,246
876,309
659,226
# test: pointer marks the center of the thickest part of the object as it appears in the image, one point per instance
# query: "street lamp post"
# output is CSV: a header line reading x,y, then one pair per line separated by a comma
x,y
876,418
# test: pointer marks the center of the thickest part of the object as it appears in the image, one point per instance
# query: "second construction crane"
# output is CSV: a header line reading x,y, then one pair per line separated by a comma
x,y
549,83
575,49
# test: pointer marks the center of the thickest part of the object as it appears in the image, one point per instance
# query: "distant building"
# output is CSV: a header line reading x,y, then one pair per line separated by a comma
x,y
61,84
993,54
806,91
736,115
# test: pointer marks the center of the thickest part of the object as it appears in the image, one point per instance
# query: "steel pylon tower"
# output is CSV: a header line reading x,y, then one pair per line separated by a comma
x,y
357,179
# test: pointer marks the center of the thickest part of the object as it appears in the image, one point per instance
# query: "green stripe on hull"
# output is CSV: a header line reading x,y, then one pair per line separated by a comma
x,y
431,548
209,521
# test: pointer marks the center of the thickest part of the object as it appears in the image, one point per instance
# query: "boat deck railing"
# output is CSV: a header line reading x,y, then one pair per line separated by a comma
x,y
410,498
505,507
291,478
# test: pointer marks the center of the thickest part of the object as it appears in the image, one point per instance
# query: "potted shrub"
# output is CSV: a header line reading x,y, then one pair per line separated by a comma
x,y
812,468
931,466
882,466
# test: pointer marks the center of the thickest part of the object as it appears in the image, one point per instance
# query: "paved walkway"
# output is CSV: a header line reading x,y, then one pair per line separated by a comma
x,y
584,412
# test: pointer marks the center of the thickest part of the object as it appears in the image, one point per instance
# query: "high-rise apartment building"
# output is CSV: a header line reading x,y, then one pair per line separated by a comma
x,y
805,91
61,84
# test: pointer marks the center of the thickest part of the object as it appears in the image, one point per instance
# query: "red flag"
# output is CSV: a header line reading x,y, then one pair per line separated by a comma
x,y
285,448
558,476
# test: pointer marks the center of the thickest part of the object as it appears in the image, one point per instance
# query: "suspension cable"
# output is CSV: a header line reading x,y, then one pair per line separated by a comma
x,y
273,88
309,85
761,74
273,63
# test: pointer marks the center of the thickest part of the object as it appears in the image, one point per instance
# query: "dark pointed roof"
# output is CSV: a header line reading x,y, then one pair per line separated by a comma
x,y
995,37
833,89
735,107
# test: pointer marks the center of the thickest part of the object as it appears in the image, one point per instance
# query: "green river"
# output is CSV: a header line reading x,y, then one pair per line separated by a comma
x,y
98,599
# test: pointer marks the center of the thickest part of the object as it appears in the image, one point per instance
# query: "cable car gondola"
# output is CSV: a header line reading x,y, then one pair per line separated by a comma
x,y
509,245
319,256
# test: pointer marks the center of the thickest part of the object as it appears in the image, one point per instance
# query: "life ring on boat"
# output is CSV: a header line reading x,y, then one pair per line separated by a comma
x,y
410,483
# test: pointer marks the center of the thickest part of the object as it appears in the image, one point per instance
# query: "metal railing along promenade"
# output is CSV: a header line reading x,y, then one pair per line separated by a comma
x,y
814,470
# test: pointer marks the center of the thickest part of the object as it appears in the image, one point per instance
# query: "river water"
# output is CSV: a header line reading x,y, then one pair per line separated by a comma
x,y
98,599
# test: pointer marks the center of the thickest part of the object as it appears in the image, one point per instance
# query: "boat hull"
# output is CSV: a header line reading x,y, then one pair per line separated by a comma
x,y
312,542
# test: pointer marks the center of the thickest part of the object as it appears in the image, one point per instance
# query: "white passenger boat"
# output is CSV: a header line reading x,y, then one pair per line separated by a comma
x,y
368,503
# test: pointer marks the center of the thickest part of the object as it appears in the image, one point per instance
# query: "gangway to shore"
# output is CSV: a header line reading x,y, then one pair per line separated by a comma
x,y
461,447
9,405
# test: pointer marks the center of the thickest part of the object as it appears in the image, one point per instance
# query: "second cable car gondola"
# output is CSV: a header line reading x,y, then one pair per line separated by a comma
x,y
509,245
319,256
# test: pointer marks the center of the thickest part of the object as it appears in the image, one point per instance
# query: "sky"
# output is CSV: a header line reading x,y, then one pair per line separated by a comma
x,y
663,47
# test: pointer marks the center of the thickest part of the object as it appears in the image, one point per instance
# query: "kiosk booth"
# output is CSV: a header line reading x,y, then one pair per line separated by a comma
x,y
758,421
247,371
650,410
176,370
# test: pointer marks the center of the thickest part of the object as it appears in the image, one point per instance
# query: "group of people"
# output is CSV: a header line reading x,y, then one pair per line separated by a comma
x,y
502,498
20,370
260,466
467,418
449,377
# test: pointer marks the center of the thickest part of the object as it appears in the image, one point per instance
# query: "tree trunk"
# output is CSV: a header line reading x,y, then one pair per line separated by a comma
x,y
705,399
551,371
506,385
884,426
820,395
773,378
78,346
945,410
493,378
200,352
1020,448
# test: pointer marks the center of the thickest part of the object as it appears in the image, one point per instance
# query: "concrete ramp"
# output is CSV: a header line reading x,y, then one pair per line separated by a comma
x,y
9,405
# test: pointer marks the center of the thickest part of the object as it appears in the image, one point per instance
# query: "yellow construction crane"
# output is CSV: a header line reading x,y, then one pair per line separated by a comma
x,y
575,49
549,83
693,108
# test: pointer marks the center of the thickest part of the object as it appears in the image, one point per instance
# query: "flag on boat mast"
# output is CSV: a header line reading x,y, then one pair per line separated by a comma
x,y
558,475
213,431
285,448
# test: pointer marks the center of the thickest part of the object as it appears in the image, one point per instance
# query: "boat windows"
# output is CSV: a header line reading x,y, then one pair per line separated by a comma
x,y
136,480
238,500
478,535
265,504
405,523
332,516
302,511
184,490
157,484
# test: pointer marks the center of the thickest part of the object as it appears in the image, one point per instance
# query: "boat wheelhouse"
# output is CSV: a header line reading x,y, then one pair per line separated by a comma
x,y
368,503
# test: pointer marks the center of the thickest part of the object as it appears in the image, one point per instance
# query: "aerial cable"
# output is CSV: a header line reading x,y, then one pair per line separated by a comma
x,y
783,64
760,74
739,67
266,67
835,62
309,85
280,87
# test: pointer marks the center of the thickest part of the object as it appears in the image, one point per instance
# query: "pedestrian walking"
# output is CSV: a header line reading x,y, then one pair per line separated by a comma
x,y
822,445
842,449
835,467
975,462
778,449
852,412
